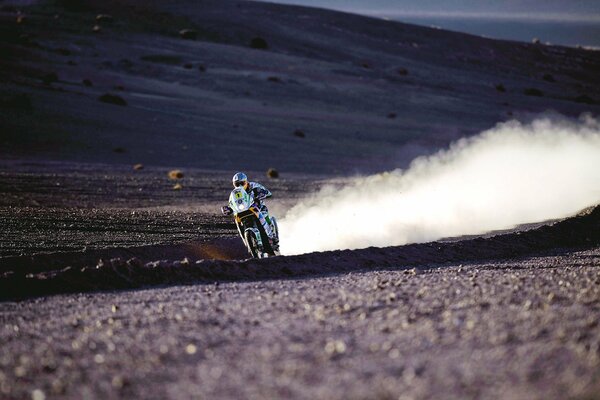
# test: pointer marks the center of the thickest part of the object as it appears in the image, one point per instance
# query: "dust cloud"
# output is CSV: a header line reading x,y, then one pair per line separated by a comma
x,y
512,174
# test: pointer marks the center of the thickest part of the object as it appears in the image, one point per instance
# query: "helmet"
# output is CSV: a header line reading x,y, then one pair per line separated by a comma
x,y
240,179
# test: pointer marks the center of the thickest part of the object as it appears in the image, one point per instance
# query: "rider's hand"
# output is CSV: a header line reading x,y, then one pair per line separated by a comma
x,y
226,210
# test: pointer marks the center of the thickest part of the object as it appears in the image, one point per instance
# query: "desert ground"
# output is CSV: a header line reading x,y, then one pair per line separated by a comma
x,y
114,284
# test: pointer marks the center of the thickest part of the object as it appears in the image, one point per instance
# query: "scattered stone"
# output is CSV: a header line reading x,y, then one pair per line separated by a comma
x,y
87,82
548,78
402,71
500,88
117,382
177,186
584,99
335,347
112,99
175,174
274,79
188,66
71,63
50,78
189,34
299,133
201,68
114,308
272,173
99,359
21,19
119,150
366,65
63,52
38,394
259,43
96,29
138,167
104,18
120,87
191,349
392,115
533,92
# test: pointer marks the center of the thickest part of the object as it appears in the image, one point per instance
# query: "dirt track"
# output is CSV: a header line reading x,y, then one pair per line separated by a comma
x,y
519,320
514,317
518,329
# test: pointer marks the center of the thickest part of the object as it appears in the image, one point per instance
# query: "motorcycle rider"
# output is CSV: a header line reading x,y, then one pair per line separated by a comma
x,y
260,194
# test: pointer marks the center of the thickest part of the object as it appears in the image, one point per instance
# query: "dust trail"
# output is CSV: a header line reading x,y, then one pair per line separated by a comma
x,y
511,174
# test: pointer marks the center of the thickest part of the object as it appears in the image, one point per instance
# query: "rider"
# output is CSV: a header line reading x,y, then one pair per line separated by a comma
x,y
260,193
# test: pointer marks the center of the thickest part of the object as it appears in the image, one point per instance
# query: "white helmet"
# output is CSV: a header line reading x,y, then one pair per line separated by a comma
x,y
240,179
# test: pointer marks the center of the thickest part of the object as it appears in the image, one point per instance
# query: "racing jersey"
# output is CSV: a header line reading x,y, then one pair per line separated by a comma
x,y
259,191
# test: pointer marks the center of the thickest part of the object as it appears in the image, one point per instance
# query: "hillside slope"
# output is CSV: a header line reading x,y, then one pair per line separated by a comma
x,y
332,92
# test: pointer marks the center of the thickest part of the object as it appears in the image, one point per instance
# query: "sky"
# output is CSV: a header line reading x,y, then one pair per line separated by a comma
x,y
498,7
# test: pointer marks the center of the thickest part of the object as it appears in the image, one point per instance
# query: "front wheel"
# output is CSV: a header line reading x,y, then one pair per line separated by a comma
x,y
252,244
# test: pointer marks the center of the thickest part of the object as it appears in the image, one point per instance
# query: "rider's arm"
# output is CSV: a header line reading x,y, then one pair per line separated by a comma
x,y
260,191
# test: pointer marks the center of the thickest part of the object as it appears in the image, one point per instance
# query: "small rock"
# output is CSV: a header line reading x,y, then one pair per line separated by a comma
x,y
119,150
104,18
299,133
533,92
117,382
189,34
38,394
177,186
402,71
259,43
21,19
87,82
272,173
274,79
96,29
201,68
392,115
175,174
366,65
138,167
500,88
119,88
585,99
188,66
114,308
536,41
548,78
112,99
191,349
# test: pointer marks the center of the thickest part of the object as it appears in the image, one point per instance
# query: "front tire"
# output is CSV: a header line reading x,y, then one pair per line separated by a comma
x,y
252,244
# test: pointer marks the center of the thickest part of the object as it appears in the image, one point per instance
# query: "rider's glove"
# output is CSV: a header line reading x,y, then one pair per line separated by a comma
x,y
226,210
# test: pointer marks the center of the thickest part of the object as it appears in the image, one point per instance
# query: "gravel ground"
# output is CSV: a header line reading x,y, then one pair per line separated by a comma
x,y
55,207
411,322
523,328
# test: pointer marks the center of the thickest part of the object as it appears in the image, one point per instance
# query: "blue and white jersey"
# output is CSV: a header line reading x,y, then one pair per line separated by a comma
x,y
259,191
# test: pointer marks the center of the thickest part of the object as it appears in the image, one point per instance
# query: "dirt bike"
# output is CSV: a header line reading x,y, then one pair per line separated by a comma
x,y
248,217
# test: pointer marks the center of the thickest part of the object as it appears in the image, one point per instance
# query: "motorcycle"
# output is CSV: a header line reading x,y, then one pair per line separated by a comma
x,y
248,217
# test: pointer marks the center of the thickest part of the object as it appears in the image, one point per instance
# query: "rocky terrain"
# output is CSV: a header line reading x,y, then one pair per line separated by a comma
x,y
121,123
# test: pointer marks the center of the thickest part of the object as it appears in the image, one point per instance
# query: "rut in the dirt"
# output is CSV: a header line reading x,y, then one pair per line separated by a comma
x,y
581,231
